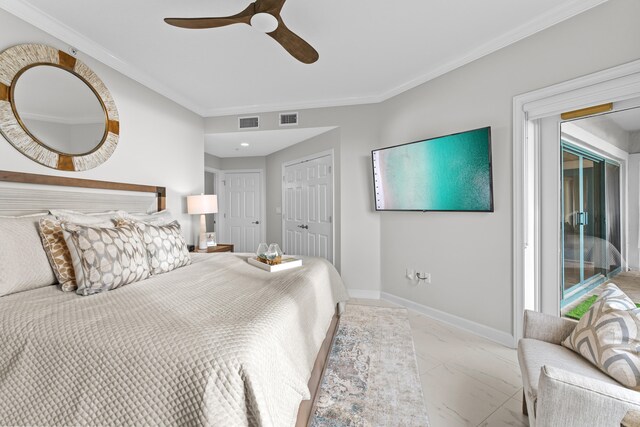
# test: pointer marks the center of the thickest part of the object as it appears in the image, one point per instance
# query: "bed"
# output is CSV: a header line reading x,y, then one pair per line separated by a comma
x,y
218,342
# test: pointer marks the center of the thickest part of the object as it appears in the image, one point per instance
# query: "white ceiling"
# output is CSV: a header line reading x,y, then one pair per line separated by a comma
x,y
628,120
261,143
369,50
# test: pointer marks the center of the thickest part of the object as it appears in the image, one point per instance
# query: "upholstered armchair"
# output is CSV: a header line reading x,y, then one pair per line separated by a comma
x,y
561,388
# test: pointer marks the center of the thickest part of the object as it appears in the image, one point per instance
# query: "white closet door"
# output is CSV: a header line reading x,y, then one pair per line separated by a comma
x,y
294,203
309,208
243,209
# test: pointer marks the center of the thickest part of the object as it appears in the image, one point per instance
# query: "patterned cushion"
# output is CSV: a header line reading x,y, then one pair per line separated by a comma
x,y
165,245
23,261
608,336
57,251
105,258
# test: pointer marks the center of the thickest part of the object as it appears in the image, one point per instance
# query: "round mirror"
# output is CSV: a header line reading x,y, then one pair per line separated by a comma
x,y
59,110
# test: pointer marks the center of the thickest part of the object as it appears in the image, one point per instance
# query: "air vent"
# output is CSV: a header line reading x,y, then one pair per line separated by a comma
x,y
249,122
288,119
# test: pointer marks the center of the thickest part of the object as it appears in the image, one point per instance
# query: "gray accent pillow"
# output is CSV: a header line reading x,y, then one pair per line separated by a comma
x,y
23,261
105,258
166,247
608,335
57,251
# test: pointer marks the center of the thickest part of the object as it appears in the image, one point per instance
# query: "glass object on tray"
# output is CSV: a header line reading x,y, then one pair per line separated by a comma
x,y
274,254
261,253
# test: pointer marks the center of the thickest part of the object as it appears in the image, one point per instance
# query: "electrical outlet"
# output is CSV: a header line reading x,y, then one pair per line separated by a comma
x,y
423,277
411,275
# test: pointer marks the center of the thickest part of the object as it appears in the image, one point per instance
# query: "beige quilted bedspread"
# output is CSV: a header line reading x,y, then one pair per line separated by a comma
x,y
218,343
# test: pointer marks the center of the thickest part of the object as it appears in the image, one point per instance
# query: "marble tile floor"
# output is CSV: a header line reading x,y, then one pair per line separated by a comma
x,y
467,380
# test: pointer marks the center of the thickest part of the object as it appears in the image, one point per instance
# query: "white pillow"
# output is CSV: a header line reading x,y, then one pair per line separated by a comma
x,y
84,218
157,218
23,261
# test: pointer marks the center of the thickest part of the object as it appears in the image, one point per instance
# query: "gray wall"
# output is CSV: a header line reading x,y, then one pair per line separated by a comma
x,y
633,257
469,255
234,163
147,153
209,188
605,128
211,161
634,142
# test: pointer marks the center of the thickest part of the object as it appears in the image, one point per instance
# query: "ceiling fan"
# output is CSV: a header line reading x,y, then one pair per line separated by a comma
x,y
263,15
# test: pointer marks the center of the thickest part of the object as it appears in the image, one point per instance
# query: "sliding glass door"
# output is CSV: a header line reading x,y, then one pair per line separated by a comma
x,y
590,221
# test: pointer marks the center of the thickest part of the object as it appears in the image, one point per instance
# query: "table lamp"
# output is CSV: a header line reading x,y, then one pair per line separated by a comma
x,y
202,204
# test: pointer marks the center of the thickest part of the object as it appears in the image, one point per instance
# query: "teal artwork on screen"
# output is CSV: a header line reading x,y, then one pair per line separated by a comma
x,y
449,173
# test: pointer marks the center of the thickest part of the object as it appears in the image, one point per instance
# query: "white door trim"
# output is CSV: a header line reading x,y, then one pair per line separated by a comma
x,y
613,85
263,201
333,194
218,173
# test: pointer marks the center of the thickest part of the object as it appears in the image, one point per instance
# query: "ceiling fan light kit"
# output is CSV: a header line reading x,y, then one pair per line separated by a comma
x,y
263,15
264,22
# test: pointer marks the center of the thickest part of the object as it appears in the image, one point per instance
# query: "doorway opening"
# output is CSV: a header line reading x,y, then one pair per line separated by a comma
x,y
600,210
591,249
538,132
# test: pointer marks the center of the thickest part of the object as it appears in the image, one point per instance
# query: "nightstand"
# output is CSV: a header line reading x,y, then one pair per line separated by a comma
x,y
220,248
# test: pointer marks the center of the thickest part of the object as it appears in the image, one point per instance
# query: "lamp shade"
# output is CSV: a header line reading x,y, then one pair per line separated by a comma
x,y
202,204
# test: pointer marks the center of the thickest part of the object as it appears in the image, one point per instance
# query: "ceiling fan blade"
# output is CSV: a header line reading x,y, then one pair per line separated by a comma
x,y
243,17
271,6
294,44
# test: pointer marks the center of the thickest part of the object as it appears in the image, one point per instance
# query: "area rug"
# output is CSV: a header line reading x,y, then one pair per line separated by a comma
x,y
372,375
578,311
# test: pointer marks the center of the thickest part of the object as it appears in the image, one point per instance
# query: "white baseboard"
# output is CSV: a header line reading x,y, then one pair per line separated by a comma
x,y
363,293
476,328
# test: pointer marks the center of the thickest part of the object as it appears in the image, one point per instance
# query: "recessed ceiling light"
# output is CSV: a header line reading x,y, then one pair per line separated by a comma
x,y
244,144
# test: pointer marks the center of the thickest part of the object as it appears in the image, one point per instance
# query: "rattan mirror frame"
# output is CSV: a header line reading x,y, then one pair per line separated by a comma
x,y
15,61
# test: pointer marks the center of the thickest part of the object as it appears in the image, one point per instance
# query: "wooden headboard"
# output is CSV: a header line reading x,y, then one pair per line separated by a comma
x,y
47,180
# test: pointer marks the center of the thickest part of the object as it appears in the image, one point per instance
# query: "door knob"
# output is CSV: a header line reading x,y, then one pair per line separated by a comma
x,y
255,222
306,227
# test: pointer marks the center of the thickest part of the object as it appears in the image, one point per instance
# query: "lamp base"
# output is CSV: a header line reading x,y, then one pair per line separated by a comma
x,y
202,241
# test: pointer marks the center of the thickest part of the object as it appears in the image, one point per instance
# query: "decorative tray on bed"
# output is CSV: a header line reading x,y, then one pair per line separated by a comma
x,y
285,264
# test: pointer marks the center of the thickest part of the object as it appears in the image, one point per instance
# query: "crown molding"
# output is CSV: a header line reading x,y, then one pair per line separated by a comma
x,y
264,108
550,18
87,46
57,29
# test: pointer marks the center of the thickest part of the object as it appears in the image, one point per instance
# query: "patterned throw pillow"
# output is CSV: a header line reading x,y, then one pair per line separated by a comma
x,y
105,258
165,245
57,251
608,336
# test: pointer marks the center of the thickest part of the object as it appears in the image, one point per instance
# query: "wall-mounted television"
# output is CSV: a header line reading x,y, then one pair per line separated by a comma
x,y
447,173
